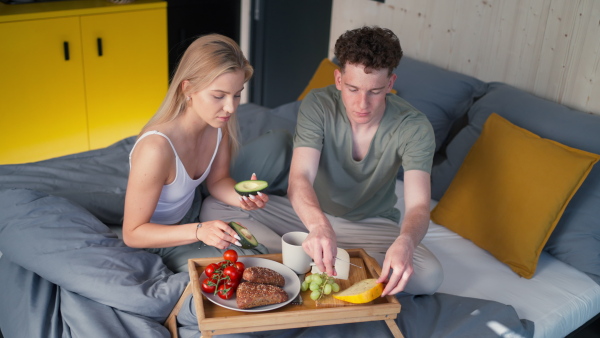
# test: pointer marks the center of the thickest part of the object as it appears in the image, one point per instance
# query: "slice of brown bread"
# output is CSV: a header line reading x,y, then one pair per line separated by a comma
x,y
259,274
250,295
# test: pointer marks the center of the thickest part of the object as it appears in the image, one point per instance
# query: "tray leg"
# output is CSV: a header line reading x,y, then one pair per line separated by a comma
x,y
171,322
394,328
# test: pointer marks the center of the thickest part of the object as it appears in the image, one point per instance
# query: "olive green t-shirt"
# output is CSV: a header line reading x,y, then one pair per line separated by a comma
x,y
356,190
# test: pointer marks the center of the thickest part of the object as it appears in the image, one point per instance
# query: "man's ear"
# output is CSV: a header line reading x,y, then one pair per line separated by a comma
x,y
337,75
391,82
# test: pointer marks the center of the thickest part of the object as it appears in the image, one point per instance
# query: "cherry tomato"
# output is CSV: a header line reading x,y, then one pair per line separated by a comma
x,y
208,285
233,273
218,279
210,269
241,267
232,284
224,264
230,255
224,292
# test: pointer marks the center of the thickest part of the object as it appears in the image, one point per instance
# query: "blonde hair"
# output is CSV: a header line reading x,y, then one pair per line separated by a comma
x,y
207,58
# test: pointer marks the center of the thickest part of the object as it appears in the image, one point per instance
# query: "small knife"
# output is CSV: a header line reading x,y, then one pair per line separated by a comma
x,y
360,267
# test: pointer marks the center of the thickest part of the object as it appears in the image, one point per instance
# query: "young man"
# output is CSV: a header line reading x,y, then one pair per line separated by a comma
x,y
351,139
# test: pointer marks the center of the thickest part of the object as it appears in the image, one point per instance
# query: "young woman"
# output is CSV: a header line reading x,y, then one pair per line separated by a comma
x,y
191,139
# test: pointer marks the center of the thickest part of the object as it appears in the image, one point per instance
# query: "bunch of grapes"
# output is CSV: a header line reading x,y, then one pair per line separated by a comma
x,y
320,284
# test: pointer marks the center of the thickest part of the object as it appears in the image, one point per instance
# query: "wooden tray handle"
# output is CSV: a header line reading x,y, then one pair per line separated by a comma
x,y
372,265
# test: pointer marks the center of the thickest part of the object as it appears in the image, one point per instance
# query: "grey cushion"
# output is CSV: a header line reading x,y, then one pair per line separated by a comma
x,y
256,120
268,156
576,239
443,95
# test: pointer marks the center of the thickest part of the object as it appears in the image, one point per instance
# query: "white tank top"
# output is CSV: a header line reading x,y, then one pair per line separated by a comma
x,y
176,198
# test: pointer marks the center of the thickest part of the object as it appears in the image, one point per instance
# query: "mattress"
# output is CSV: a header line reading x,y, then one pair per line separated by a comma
x,y
558,299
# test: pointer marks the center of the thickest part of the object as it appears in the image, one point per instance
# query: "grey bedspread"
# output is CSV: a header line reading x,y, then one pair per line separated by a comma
x,y
439,315
64,273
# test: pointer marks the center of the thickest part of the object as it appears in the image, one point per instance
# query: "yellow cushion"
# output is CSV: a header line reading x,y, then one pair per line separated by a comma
x,y
323,77
511,191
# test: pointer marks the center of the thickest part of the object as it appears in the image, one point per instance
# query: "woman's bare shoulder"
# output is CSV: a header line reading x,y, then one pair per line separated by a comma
x,y
153,148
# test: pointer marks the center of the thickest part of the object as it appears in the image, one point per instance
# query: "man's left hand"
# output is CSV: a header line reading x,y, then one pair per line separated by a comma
x,y
398,258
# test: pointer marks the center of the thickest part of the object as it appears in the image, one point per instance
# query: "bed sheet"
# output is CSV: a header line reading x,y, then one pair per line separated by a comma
x,y
558,299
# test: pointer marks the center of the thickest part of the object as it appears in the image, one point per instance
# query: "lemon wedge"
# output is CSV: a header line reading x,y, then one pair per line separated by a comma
x,y
362,292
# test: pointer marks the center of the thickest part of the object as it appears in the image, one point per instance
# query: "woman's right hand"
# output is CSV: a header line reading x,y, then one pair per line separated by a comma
x,y
217,234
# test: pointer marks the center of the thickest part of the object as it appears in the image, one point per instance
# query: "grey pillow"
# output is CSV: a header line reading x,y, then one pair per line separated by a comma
x,y
443,95
256,120
576,238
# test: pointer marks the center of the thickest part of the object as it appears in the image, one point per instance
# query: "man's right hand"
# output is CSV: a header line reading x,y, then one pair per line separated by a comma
x,y
321,245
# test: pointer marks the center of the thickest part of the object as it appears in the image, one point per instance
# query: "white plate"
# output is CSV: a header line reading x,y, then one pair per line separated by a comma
x,y
292,285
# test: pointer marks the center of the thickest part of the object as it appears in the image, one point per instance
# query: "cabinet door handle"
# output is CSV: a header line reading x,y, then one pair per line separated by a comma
x,y
99,42
66,50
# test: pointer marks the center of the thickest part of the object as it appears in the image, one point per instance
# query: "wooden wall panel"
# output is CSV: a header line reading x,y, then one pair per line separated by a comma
x,y
550,48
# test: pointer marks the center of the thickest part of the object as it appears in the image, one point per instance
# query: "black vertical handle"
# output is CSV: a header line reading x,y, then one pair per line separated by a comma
x,y
99,42
66,50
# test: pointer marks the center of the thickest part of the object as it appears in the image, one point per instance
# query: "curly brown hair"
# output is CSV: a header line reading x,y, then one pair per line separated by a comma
x,y
373,47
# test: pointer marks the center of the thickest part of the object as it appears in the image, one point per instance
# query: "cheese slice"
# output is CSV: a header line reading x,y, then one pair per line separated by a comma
x,y
342,265
362,292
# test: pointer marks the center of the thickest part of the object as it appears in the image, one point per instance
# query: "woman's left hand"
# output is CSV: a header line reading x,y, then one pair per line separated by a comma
x,y
254,202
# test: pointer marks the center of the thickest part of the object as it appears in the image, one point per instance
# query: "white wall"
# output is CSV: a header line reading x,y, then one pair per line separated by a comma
x,y
550,48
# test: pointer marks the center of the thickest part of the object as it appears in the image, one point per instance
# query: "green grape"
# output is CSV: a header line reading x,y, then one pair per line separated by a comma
x,y
335,287
320,284
317,279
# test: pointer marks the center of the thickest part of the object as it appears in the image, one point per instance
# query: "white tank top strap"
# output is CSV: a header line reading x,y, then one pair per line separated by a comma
x,y
152,132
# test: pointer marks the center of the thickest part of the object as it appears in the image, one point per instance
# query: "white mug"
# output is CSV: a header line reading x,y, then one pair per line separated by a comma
x,y
292,252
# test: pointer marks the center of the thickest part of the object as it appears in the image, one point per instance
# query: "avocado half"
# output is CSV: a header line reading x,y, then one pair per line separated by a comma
x,y
251,187
246,238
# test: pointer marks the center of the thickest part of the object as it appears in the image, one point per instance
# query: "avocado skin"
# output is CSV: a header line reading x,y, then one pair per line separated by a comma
x,y
250,192
247,243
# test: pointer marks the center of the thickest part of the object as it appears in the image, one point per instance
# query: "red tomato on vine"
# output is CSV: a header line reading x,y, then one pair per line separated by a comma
x,y
230,255
233,273
241,267
208,285
224,292
211,269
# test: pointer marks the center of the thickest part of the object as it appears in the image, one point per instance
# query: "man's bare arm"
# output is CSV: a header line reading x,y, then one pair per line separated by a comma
x,y
321,243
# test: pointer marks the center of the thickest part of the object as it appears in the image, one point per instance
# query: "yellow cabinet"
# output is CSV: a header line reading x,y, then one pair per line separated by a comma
x,y
78,75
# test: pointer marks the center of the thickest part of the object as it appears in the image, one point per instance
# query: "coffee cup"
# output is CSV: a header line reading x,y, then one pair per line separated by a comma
x,y
292,252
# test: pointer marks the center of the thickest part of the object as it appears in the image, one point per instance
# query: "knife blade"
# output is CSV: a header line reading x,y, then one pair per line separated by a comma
x,y
360,267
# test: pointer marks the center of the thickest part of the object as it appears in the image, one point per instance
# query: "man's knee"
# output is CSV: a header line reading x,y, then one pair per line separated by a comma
x,y
427,280
432,280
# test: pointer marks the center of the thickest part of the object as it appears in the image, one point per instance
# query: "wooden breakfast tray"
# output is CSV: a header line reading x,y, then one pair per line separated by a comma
x,y
214,319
